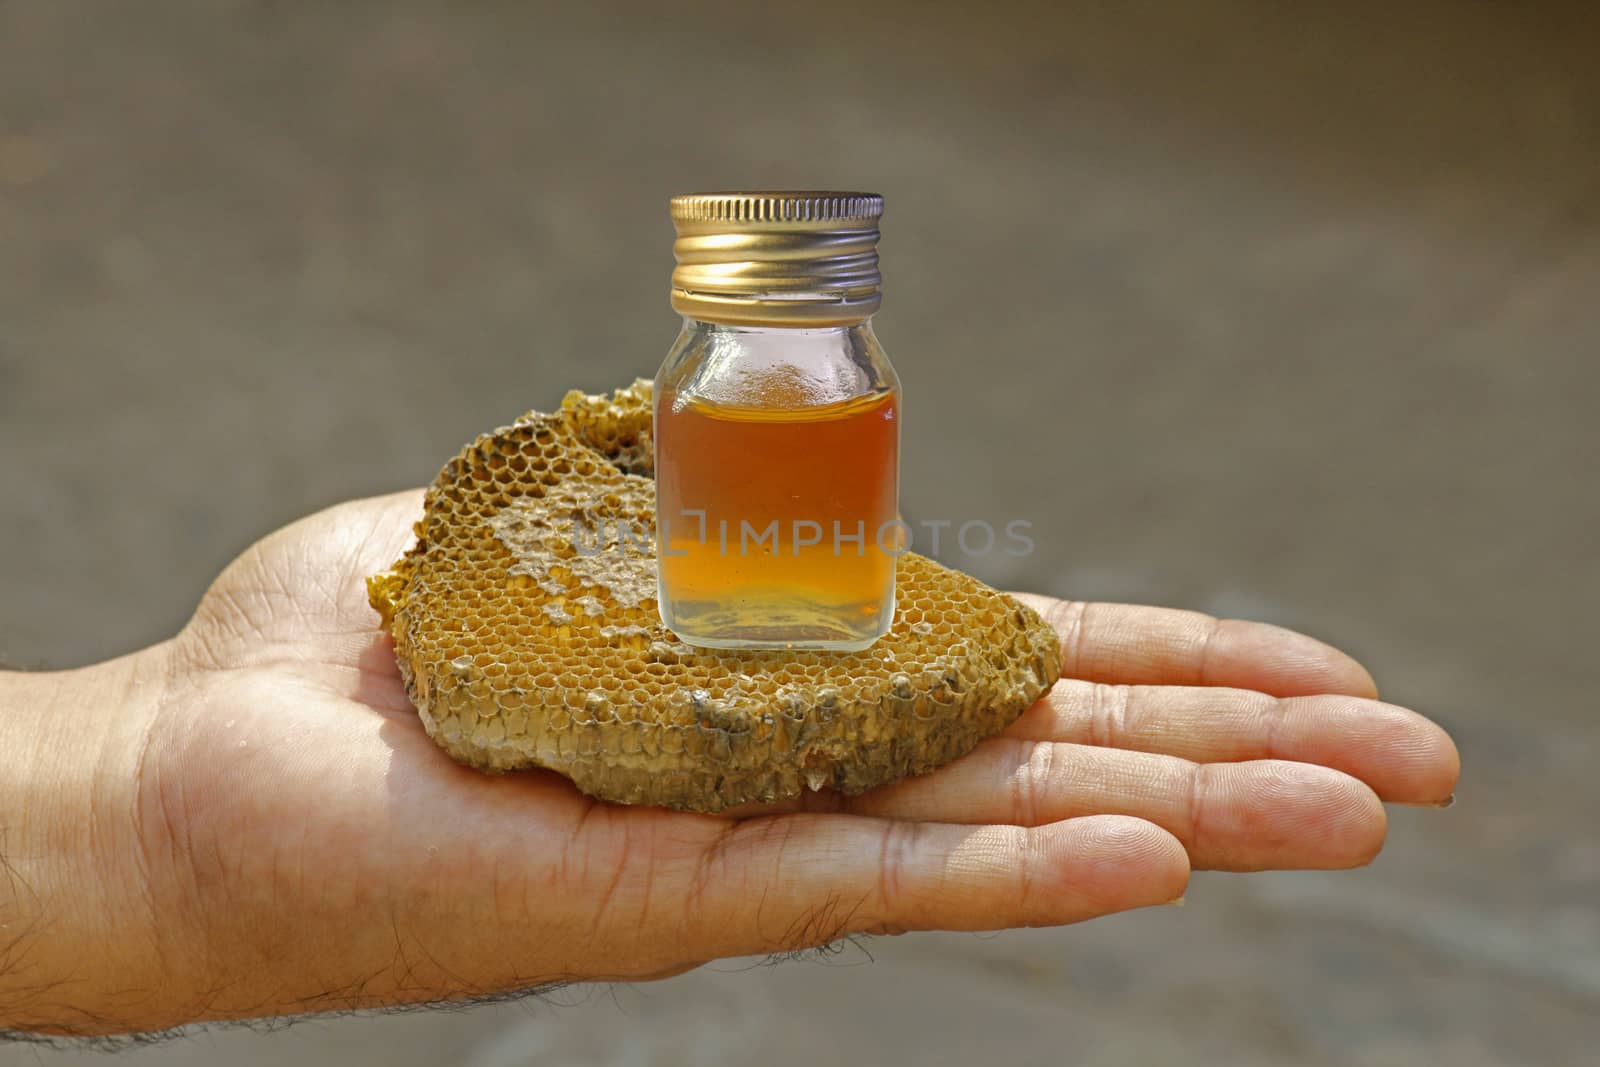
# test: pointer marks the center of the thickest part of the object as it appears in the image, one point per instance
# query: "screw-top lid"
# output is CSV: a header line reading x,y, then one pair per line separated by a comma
x,y
777,258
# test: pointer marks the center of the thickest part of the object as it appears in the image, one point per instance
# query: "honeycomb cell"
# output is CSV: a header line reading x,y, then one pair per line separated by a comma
x,y
526,631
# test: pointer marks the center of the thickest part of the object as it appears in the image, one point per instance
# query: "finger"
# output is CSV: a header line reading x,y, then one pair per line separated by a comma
x,y
1265,814
1404,757
366,535
311,574
1126,644
795,881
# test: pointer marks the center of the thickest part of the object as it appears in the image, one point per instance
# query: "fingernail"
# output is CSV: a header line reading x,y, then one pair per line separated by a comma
x,y
1175,902
1447,802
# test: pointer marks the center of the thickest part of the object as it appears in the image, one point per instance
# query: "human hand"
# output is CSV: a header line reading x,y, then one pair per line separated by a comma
x,y
261,827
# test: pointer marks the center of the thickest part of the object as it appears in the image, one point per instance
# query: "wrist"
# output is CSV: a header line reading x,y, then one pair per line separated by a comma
x,y
79,937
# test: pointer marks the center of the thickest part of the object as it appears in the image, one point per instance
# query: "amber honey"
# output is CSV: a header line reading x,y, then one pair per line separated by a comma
x,y
778,525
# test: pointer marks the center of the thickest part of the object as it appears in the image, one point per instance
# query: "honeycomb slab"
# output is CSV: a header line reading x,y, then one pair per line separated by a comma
x,y
525,626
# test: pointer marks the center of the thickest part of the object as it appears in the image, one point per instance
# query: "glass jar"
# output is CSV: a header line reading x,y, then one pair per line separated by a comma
x,y
777,427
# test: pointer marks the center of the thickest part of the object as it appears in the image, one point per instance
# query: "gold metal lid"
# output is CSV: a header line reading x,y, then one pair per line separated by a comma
x,y
777,258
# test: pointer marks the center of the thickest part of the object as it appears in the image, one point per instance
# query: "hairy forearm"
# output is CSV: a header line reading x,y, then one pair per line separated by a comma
x,y
76,928
139,894
133,901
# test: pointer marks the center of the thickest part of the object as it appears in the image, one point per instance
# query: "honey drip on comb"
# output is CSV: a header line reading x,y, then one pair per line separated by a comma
x,y
517,654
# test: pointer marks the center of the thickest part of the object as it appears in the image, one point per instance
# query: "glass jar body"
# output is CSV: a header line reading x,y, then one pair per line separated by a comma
x,y
777,486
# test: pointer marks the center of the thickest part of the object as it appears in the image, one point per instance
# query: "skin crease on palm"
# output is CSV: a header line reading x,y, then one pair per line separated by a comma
x,y
248,820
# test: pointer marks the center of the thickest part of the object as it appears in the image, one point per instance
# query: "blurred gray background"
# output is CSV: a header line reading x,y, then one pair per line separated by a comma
x,y
1280,311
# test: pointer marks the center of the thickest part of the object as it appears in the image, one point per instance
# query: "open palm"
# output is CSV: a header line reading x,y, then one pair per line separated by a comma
x,y
331,856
